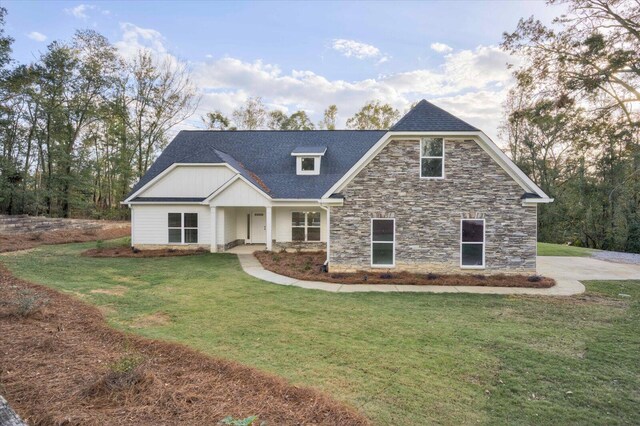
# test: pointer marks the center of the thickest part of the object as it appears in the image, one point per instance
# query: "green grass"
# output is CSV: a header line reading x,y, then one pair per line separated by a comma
x,y
402,359
547,249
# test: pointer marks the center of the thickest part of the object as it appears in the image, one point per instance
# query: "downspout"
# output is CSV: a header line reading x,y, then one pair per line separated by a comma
x,y
328,210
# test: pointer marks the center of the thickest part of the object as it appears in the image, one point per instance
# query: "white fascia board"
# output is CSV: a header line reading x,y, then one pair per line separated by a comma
x,y
536,201
168,170
485,142
164,203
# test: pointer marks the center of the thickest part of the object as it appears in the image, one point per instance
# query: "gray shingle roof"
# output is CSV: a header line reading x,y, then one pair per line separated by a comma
x,y
264,157
168,199
427,117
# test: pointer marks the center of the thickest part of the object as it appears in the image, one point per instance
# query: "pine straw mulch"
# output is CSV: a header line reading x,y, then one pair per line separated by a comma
x,y
29,240
62,364
308,266
130,252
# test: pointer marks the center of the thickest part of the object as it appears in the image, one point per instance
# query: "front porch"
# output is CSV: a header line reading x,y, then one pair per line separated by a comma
x,y
250,228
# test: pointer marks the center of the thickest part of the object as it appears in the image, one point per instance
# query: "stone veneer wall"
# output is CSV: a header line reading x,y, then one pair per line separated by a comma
x,y
428,212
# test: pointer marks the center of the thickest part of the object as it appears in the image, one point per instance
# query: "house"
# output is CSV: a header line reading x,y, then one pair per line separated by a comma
x,y
433,193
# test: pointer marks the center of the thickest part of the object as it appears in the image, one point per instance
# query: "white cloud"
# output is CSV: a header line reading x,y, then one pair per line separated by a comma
x,y
352,48
471,84
441,47
35,35
80,11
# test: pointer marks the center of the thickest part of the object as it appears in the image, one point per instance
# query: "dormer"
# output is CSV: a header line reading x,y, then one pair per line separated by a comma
x,y
308,159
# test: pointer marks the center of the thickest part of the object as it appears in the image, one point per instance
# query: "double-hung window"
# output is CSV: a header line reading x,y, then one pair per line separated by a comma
x,y
472,243
432,158
305,226
383,242
183,228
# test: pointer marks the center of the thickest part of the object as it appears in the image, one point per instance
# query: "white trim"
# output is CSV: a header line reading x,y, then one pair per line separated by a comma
x,y
213,247
535,201
269,226
309,154
484,245
483,140
393,242
442,169
168,170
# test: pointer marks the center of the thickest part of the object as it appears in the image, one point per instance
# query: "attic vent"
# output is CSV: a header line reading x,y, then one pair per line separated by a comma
x,y
308,159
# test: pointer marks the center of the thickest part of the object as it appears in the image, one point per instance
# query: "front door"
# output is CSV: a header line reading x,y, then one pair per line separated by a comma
x,y
258,228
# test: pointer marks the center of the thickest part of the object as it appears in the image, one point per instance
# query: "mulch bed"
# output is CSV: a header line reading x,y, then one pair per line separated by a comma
x,y
61,364
129,252
28,240
307,266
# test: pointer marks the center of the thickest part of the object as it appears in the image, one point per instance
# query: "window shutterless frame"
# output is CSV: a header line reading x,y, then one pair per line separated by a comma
x,y
306,226
483,243
184,227
431,157
392,243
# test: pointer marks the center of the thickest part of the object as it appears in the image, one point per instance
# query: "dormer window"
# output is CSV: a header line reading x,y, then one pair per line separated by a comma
x,y
308,159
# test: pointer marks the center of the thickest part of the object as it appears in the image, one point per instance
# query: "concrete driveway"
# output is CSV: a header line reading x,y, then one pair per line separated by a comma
x,y
569,271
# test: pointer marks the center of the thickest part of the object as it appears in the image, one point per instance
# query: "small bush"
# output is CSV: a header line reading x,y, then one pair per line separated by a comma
x,y
386,276
135,250
27,303
99,244
36,236
479,277
275,258
229,420
534,278
431,276
126,364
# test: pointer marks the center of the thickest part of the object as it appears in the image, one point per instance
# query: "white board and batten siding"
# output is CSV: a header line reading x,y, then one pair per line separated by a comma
x,y
189,181
240,194
150,223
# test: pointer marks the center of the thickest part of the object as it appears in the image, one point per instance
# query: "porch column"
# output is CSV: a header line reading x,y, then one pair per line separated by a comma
x,y
214,231
269,227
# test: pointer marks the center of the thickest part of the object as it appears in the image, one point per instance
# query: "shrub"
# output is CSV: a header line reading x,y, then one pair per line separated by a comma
x,y
534,278
229,420
431,276
99,244
27,303
386,276
480,277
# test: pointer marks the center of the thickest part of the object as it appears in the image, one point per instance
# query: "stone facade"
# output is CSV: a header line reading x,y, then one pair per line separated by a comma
x,y
427,212
299,245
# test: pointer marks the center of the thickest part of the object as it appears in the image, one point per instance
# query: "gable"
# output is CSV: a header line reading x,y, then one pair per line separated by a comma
x,y
483,142
239,194
197,181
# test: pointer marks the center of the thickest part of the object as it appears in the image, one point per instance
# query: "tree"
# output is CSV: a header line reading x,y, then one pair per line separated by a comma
x,y
570,123
216,121
250,116
277,120
374,116
161,96
299,120
329,120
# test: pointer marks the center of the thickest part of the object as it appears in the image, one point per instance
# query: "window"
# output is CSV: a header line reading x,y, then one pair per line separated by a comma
x,y
308,165
183,228
432,158
383,242
305,226
472,243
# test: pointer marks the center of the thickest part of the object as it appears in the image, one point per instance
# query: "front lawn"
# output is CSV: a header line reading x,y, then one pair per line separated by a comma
x,y
548,249
399,358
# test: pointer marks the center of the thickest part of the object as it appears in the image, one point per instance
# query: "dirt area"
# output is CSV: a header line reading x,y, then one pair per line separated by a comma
x,y
61,364
308,266
26,232
129,252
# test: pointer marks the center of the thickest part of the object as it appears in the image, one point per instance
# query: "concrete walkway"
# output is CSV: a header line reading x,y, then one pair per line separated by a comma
x,y
567,271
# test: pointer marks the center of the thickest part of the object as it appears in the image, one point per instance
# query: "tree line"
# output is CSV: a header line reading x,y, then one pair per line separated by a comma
x,y
572,121
81,124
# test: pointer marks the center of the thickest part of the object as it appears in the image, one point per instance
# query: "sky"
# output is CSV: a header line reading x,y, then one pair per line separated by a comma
x,y
307,55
